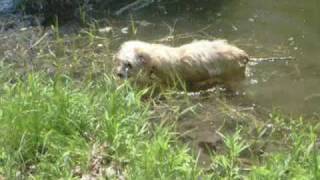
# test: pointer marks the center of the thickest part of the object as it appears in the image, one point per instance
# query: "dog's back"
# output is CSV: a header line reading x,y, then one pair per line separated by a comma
x,y
212,59
195,62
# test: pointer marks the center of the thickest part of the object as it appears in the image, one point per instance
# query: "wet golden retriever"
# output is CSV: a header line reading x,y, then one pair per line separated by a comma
x,y
200,63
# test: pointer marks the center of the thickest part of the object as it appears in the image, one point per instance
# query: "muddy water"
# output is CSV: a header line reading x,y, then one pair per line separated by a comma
x,y
264,29
276,28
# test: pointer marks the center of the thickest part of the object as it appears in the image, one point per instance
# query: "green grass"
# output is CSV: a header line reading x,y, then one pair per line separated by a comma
x,y
48,129
300,160
51,128
81,122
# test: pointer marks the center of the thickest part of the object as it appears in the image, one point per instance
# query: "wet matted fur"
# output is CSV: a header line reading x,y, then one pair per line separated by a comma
x,y
200,63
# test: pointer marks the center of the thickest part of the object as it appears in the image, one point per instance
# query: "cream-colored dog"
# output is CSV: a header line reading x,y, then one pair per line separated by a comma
x,y
200,62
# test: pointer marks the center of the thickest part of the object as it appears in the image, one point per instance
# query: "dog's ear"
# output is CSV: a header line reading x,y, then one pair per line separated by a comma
x,y
143,56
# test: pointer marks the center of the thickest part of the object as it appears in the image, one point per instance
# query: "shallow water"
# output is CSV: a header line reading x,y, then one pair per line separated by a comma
x,y
282,28
264,29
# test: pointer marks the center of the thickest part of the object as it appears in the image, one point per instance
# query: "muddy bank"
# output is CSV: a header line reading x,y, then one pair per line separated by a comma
x,y
202,119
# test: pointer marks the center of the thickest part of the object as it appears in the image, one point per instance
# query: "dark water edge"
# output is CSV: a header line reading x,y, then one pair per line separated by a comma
x,y
6,6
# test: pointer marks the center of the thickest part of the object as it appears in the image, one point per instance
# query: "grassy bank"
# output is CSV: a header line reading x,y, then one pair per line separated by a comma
x,y
52,128
63,115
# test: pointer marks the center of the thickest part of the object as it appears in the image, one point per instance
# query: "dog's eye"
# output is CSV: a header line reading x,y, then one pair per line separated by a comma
x,y
140,57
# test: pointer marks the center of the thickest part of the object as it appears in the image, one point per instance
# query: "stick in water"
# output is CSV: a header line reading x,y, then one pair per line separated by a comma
x,y
272,58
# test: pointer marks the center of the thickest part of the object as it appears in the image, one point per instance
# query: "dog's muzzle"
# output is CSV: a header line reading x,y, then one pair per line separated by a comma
x,y
120,75
123,75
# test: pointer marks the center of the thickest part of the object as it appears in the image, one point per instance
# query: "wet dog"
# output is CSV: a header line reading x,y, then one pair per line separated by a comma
x,y
200,63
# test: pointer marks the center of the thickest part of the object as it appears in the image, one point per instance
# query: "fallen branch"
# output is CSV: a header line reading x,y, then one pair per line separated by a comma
x,y
272,59
255,61
136,5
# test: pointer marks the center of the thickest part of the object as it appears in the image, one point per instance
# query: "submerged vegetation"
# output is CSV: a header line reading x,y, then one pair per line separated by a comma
x,y
63,114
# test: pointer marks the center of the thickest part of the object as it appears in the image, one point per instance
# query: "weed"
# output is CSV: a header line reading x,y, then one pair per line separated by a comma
x,y
227,165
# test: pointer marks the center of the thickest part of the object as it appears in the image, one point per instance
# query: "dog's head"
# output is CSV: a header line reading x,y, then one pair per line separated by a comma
x,y
131,58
